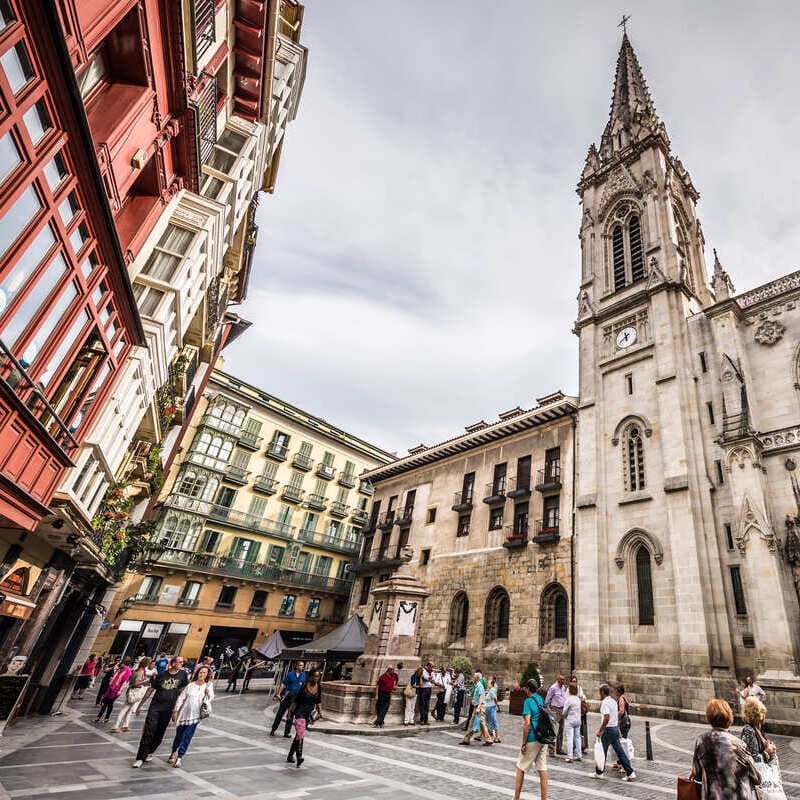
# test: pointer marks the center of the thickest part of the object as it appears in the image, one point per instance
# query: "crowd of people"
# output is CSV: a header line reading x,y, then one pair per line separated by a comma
x,y
178,692
554,717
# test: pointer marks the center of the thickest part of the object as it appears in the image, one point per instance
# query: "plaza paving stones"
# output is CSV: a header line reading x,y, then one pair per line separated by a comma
x,y
232,757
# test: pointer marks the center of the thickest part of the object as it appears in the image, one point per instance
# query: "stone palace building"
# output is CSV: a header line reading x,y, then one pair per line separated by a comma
x,y
682,555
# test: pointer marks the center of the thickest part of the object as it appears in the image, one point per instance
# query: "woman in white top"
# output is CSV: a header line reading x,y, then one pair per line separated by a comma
x,y
572,722
188,709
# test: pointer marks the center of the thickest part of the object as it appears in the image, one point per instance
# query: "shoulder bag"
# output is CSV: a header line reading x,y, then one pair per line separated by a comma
x,y
410,691
688,789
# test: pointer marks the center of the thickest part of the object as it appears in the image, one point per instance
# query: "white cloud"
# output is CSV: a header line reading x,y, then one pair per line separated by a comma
x,y
417,267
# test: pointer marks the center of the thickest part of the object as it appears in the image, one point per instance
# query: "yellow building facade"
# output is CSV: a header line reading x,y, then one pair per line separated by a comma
x,y
256,529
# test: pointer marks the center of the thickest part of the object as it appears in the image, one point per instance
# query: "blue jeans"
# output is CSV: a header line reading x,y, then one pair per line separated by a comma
x,y
611,737
574,740
491,719
183,735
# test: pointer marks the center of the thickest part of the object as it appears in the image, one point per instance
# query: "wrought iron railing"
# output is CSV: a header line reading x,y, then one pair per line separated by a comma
x,y
203,27
19,383
240,567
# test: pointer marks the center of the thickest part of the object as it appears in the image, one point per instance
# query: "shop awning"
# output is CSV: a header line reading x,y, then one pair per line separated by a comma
x,y
13,605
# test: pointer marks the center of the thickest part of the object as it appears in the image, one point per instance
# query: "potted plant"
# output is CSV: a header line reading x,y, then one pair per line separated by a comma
x,y
517,694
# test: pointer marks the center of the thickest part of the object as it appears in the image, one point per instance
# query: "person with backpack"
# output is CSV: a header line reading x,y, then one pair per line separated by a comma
x,y
537,734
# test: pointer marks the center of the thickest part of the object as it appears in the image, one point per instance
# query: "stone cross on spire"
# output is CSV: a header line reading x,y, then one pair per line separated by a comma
x,y
633,115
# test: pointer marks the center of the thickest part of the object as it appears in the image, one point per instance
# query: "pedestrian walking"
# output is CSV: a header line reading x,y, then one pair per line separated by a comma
x,y
490,704
383,694
162,662
754,714
305,711
410,696
193,704
116,685
721,763
531,752
134,694
554,702
109,667
165,687
424,692
608,733
478,719
623,708
85,677
572,724
289,687
459,692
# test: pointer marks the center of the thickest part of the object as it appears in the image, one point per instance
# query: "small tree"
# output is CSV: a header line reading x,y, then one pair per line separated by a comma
x,y
464,664
531,671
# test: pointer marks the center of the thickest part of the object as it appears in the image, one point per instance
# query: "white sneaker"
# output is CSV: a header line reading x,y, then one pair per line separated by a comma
x,y
631,777
149,758
597,774
137,764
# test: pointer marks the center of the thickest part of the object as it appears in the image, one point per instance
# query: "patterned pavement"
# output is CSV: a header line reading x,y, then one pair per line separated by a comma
x,y
232,757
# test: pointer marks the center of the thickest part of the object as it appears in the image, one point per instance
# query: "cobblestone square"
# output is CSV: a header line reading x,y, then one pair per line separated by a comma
x,y
232,757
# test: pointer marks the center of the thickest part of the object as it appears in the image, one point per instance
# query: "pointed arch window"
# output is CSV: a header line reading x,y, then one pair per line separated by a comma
x,y
498,607
627,252
459,617
633,458
553,614
644,586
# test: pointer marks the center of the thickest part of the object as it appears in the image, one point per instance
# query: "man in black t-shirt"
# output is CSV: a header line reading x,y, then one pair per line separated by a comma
x,y
165,687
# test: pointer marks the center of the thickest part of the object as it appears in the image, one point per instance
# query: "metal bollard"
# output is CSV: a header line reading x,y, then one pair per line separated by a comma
x,y
648,742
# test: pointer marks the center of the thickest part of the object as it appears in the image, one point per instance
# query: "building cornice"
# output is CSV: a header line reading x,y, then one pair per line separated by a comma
x,y
557,406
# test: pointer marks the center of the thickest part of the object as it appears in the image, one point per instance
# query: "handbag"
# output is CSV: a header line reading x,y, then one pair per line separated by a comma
x,y
410,691
205,707
134,695
771,786
688,789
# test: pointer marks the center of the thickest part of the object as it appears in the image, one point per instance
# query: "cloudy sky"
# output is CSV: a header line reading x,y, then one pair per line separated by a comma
x,y
417,267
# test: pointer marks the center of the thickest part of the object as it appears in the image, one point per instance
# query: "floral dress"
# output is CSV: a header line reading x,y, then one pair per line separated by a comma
x,y
724,767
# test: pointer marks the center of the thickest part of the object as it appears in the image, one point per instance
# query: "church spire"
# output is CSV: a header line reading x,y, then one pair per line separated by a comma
x,y
633,115
720,281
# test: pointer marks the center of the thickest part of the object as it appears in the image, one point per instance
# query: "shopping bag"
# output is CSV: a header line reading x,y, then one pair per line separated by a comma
x,y
599,756
771,787
627,746
688,789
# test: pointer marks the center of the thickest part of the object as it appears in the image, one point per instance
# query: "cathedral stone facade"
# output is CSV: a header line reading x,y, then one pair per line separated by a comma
x,y
684,558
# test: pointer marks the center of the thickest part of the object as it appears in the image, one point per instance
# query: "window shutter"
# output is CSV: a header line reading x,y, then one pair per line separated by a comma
x,y
270,470
257,506
240,459
305,448
253,426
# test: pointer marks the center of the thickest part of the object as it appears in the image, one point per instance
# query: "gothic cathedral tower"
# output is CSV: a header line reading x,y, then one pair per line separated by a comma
x,y
650,610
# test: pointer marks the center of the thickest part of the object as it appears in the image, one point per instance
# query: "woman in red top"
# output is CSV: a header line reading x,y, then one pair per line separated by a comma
x,y
85,676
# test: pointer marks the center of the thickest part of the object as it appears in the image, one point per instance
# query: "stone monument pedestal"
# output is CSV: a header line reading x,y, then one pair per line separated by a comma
x,y
392,640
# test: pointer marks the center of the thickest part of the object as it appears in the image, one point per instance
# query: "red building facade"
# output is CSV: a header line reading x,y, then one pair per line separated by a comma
x,y
67,314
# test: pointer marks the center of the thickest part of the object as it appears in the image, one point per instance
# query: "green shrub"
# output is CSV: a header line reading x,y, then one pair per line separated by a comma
x,y
464,664
531,671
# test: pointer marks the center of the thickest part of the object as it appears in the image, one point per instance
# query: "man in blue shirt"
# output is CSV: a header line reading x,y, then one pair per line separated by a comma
x,y
290,686
478,719
531,752
162,662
